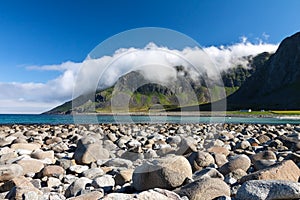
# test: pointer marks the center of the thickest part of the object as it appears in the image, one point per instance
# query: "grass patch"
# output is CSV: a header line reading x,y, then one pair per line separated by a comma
x,y
270,112
286,112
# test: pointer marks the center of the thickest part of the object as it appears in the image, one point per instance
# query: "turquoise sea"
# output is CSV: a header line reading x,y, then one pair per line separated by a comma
x,y
92,119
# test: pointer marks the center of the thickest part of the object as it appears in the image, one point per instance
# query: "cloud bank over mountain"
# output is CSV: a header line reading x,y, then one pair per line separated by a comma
x,y
156,62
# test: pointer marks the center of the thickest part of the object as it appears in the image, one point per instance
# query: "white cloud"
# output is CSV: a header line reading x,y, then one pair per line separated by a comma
x,y
156,63
59,67
12,106
228,57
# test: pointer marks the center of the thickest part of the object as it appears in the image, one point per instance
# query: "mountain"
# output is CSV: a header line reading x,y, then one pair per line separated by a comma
x,y
269,82
276,84
140,94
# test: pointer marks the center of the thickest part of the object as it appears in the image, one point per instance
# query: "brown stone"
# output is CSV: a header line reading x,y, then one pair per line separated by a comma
x,y
17,193
217,149
89,196
286,170
15,182
123,176
8,172
157,193
186,146
107,169
53,170
27,146
200,159
204,189
236,162
263,139
31,165
166,173
88,153
220,159
263,155
41,155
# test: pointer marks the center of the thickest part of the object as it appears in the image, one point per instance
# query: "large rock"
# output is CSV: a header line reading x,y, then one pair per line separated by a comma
x,y
167,173
24,193
204,189
53,182
200,159
262,164
217,149
290,142
263,159
236,162
93,173
268,190
78,168
263,155
220,159
286,170
77,186
186,146
26,146
87,153
106,182
31,165
123,176
15,182
8,172
53,170
43,155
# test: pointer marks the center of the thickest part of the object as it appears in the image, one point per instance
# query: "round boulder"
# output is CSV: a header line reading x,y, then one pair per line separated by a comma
x,y
236,162
206,188
166,173
200,159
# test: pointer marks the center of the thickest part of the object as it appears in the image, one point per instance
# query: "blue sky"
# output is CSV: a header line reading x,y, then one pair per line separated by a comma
x,y
50,32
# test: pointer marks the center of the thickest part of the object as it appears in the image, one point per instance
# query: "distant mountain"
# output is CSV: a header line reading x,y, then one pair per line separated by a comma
x,y
274,85
183,91
268,82
141,93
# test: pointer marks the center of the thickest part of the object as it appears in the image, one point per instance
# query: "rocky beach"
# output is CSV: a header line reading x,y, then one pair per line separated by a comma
x,y
150,161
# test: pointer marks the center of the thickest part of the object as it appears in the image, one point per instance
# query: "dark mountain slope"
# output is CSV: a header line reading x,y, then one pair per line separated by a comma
x,y
276,84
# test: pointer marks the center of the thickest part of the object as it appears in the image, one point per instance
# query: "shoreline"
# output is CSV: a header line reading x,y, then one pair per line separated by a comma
x,y
185,114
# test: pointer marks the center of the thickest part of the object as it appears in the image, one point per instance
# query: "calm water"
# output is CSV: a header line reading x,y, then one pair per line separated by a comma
x,y
87,119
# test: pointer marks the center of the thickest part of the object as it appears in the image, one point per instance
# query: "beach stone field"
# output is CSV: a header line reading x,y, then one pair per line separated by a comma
x,y
150,162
